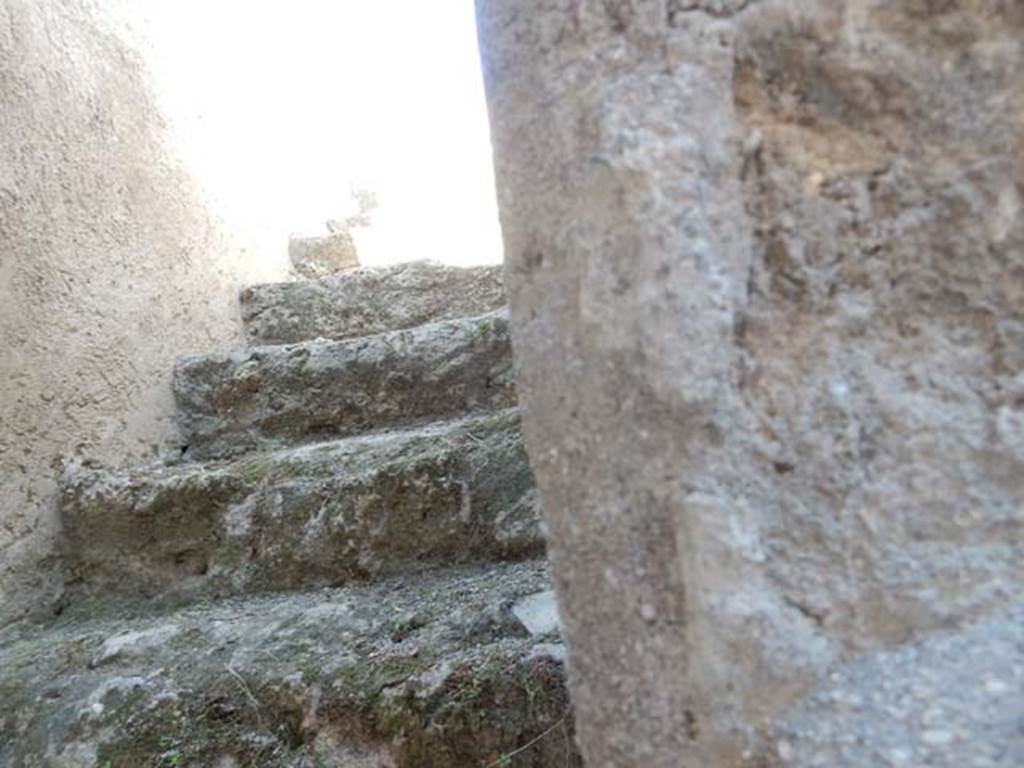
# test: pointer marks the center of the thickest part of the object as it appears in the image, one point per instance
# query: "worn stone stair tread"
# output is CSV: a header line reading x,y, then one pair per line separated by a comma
x,y
314,515
418,672
276,395
369,301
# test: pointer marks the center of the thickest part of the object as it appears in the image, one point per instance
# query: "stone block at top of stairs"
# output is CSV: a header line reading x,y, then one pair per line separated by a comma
x,y
318,256
271,396
368,301
311,516
427,672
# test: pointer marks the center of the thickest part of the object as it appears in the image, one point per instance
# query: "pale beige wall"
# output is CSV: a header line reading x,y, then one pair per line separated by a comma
x,y
111,265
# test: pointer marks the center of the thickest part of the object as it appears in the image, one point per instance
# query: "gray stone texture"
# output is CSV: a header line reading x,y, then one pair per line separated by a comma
x,y
302,518
267,396
314,257
949,700
375,464
420,672
369,301
765,263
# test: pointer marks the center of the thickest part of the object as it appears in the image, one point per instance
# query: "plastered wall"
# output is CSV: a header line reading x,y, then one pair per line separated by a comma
x,y
112,263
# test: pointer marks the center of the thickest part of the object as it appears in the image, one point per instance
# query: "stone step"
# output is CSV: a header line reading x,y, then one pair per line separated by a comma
x,y
369,301
424,672
271,396
299,518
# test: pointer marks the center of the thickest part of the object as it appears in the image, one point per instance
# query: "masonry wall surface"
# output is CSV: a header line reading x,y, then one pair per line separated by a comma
x,y
766,271
112,263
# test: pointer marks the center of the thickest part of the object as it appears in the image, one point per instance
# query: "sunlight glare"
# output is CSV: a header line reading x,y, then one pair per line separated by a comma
x,y
282,107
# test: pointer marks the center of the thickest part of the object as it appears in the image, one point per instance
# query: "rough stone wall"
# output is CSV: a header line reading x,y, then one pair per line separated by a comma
x,y
111,264
766,270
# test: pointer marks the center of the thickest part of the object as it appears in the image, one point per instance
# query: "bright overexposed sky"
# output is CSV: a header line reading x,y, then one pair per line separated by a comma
x,y
282,106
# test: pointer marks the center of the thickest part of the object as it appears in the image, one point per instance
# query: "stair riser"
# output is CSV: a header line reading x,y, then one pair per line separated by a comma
x,y
274,396
368,301
303,519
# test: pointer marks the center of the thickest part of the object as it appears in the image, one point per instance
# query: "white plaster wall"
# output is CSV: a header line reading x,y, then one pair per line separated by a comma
x,y
112,263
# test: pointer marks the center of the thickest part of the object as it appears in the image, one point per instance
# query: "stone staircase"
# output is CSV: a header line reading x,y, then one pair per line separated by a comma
x,y
345,567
